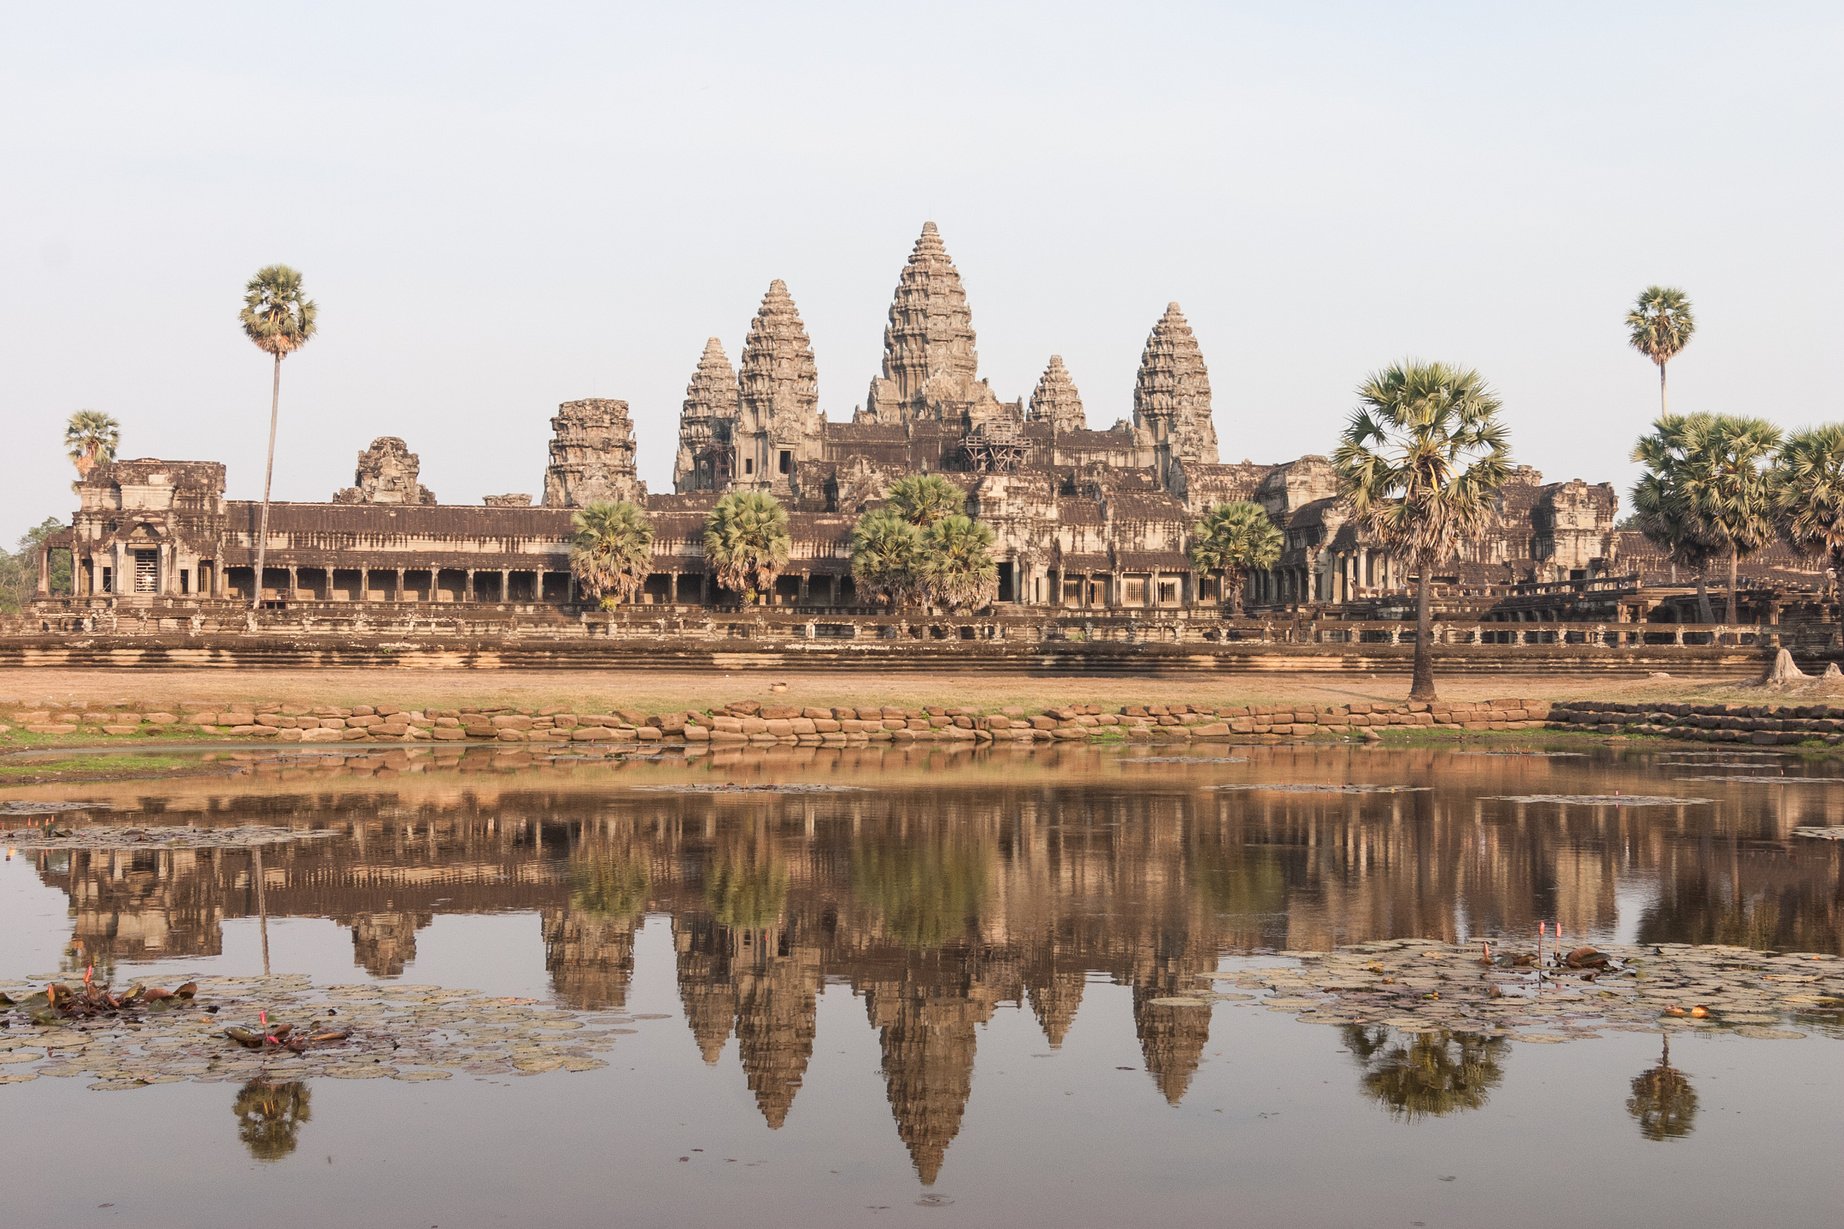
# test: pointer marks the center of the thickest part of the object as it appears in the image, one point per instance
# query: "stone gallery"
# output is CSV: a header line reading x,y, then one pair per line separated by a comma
x,y
1084,518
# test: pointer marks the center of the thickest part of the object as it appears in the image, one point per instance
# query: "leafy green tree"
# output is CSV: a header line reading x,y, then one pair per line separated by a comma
x,y
19,570
746,541
885,548
1807,480
612,551
90,439
1419,466
1706,493
1661,324
923,499
955,566
279,320
1232,540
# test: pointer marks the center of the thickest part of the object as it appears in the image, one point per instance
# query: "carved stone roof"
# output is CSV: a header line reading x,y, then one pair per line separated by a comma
x,y
1174,387
930,334
778,381
706,420
1055,399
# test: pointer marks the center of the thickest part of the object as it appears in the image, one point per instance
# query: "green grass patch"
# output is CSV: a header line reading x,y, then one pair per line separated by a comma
x,y
132,763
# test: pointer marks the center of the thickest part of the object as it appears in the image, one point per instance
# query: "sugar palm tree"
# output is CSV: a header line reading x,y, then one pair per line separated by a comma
x,y
923,499
612,551
280,321
1661,324
746,542
1706,493
884,552
90,439
1662,1102
1419,466
955,566
270,1115
1231,540
1808,486
1427,1074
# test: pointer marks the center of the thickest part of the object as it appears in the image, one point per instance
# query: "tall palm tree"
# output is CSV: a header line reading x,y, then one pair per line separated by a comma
x,y
923,499
612,551
1706,493
955,565
280,321
1419,466
270,1115
90,439
1231,540
1427,1074
884,552
746,542
1662,1102
1661,325
1808,486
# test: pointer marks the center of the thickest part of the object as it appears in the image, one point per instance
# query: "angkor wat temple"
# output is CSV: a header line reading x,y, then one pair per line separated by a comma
x,y
1085,518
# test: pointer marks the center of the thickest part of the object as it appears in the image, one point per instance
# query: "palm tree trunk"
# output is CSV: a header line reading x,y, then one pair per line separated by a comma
x,y
1661,390
1703,599
1421,684
262,532
1733,611
1235,594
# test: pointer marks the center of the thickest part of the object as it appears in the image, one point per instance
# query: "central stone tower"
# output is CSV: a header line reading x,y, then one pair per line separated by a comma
x,y
931,368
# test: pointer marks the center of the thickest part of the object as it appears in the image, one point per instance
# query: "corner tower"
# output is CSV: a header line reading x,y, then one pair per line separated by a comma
x,y
778,415
707,424
1171,397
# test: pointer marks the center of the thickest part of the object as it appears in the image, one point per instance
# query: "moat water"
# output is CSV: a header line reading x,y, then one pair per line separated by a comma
x,y
925,987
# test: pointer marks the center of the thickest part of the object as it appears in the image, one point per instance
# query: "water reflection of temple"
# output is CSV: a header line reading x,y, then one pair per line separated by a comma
x,y
937,902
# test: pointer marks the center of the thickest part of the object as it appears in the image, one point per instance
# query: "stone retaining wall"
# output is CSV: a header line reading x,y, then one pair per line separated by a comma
x,y
1759,724
768,725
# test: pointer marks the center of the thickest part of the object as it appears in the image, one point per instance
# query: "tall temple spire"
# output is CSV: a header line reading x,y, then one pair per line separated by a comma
x,y
707,422
1171,397
930,333
778,389
1056,401
931,366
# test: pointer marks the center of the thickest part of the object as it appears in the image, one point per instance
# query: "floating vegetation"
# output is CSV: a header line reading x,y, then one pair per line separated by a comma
x,y
1282,787
732,787
1602,800
58,1002
42,808
113,836
1835,833
234,1031
1416,985
1529,755
1767,779
1186,759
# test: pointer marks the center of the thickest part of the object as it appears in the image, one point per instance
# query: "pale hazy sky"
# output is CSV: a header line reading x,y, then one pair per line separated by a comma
x,y
503,206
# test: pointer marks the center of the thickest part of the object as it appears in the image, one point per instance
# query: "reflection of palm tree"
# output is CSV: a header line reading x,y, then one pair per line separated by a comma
x,y
1662,1102
608,885
928,892
269,1117
1429,1074
748,887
